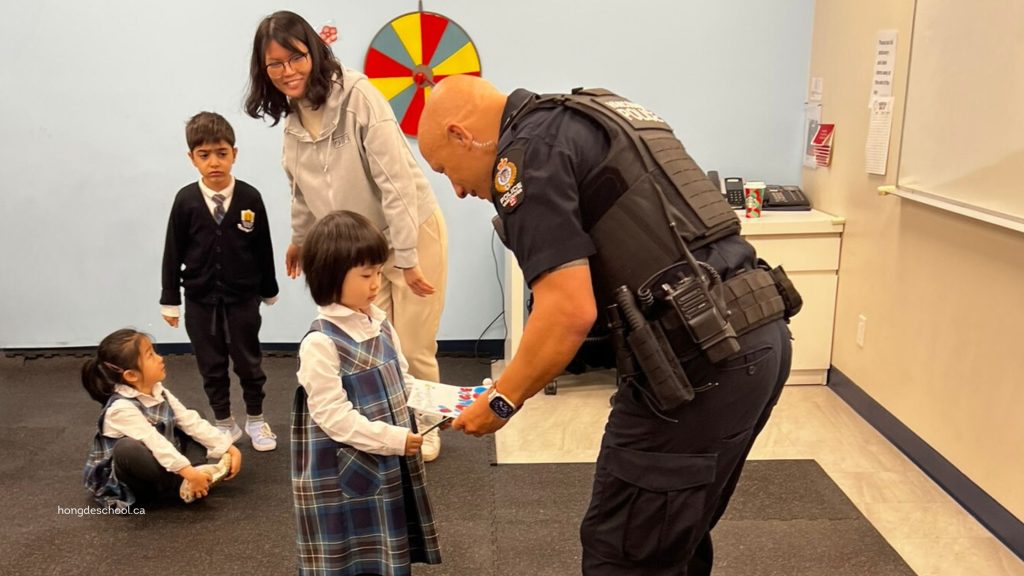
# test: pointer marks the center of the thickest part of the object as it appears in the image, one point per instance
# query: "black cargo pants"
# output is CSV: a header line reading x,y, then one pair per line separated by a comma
x,y
660,487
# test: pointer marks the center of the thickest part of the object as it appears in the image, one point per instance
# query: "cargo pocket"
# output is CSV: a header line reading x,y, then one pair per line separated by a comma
x,y
650,504
359,473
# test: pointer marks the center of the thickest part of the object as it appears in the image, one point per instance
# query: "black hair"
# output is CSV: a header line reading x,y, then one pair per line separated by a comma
x,y
116,354
208,128
337,243
289,29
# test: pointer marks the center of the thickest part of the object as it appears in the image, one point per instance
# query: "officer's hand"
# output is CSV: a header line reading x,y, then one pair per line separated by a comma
x,y
417,282
172,321
478,419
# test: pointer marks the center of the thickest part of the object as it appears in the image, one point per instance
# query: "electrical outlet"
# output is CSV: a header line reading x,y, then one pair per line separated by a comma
x,y
862,324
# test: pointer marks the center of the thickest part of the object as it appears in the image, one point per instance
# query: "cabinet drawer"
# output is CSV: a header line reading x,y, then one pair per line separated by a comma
x,y
797,253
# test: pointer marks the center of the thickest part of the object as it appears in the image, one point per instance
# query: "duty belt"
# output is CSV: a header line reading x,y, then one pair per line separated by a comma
x,y
753,298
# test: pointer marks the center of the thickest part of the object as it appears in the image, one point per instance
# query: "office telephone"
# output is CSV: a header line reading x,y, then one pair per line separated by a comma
x,y
734,192
789,198
781,198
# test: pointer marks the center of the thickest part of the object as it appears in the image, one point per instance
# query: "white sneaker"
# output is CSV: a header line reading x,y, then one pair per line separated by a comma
x,y
431,447
233,430
216,472
263,439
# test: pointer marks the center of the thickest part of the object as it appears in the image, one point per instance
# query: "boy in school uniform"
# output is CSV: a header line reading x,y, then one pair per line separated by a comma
x,y
218,248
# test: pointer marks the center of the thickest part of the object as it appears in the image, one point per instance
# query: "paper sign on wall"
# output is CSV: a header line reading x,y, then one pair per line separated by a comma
x,y
885,63
876,152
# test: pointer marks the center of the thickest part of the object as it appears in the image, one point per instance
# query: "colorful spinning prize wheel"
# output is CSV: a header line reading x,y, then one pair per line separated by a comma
x,y
412,53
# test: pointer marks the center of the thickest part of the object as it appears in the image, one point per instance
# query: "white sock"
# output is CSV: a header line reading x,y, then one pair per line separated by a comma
x,y
250,420
228,422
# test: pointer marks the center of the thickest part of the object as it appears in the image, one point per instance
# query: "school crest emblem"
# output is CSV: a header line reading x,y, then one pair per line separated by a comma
x,y
248,221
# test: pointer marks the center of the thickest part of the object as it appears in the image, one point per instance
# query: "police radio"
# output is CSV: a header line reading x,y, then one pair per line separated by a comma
x,y
704,314
692,293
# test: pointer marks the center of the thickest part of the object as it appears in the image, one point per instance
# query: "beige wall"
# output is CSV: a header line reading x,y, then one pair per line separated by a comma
x,y
943,294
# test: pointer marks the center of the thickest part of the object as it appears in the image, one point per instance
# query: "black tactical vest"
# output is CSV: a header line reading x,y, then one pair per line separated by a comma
x,y
620,204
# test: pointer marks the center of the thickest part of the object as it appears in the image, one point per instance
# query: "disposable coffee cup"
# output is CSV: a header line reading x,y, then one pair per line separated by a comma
x,y
753,198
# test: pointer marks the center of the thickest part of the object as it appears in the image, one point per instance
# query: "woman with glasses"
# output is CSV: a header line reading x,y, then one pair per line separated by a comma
x,y
344,150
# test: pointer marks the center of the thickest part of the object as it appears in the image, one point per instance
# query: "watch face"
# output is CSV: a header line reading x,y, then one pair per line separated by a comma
x,y
502,407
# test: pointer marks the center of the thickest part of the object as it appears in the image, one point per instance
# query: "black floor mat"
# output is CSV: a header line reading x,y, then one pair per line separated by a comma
x,y
787,518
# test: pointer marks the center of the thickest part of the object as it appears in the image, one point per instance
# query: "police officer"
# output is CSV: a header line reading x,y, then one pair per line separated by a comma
x,y
611,220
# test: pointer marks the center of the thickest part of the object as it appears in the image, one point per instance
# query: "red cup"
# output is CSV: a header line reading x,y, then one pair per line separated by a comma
x,y
753,198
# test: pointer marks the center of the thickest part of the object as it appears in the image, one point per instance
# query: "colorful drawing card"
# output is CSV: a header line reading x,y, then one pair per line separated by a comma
x,y
441,399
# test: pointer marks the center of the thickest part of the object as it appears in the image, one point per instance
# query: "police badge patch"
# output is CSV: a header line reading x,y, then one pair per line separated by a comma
x,y
504,175
248,221
507,186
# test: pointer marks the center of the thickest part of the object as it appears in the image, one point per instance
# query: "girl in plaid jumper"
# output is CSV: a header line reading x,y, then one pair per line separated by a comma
x,y
148,445
357,474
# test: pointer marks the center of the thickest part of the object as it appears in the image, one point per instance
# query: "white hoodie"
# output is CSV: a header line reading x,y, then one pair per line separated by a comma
x,y
360,161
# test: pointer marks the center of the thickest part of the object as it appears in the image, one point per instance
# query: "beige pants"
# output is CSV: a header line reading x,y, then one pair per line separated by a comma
x,y
417,318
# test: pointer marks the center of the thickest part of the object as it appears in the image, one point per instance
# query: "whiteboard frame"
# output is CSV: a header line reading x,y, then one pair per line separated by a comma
x,y
971,211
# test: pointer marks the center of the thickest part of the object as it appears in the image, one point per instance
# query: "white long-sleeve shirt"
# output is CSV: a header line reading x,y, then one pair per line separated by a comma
x,y
320,374
124,419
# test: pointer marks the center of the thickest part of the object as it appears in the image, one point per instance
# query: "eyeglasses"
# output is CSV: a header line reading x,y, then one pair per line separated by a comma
x,y
299,60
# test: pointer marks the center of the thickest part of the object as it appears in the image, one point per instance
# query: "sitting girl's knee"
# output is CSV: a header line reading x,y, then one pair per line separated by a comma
x,y
128,449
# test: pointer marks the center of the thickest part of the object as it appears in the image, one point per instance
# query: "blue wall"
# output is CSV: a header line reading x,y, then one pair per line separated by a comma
x,y
95,96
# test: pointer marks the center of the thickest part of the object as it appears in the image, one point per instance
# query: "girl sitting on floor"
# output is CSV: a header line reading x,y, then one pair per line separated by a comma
x,y
148,446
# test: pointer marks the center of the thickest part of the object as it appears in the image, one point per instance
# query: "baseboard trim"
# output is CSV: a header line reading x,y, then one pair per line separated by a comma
x,y
999,521
459,348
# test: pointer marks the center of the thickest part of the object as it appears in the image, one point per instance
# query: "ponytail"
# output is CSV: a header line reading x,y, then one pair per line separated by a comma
x,y
117,353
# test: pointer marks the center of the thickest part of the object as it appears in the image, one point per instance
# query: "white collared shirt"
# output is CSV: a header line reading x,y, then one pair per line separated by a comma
x,y
320,374
208,195
124,419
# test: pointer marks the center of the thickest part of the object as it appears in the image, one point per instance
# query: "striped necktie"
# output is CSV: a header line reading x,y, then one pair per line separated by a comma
x,y
218,210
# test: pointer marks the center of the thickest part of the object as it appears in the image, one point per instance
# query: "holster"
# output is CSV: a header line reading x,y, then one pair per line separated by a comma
x,y
646,348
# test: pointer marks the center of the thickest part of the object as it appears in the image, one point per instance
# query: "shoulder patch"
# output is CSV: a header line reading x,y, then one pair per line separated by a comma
x,y
508,187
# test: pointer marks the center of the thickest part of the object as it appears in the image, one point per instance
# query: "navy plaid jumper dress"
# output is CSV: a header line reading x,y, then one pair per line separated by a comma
x,y
360,513
99,476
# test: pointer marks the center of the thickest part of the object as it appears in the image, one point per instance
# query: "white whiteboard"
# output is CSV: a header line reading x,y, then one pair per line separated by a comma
x,y
963,130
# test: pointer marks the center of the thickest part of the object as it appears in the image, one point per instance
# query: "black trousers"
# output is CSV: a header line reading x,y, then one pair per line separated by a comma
x,y
220,331
660,486
136,466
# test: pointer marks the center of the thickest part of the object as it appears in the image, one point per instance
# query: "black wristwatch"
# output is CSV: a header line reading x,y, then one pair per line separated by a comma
x,y
500,404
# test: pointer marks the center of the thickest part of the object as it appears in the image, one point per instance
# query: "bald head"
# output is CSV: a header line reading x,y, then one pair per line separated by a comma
x,y
468,101
458,132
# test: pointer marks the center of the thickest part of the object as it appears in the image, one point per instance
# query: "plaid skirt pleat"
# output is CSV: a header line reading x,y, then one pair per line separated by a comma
x,y
360,513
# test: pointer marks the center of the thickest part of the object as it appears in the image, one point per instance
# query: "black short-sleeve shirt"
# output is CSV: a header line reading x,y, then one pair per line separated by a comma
x,y
544,156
